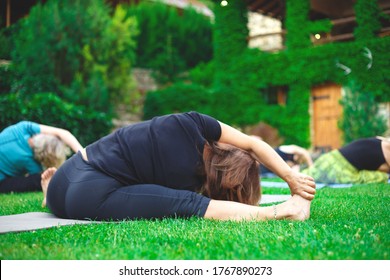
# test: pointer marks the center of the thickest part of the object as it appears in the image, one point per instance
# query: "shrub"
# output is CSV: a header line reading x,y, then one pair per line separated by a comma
x,y
203,74
6,69
170,43
77,50
6,42
180,97
360,115
6,77
47,108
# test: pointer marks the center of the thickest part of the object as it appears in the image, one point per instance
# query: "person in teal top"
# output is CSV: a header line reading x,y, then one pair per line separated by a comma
x,y
26,149
17,157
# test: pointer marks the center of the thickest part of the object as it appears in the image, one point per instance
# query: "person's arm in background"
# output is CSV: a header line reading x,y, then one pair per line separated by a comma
x,y
300,184
299,151
63,134
386,154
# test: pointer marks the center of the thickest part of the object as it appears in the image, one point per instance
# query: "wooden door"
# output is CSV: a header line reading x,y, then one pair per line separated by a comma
x,y
327,111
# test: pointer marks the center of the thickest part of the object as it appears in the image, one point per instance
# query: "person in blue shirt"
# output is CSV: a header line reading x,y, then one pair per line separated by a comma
x,y
177,165
26,149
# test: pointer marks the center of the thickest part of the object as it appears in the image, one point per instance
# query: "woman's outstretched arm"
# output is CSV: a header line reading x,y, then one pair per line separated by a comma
x,y
299,183
296,208
299,151
67,137
386,150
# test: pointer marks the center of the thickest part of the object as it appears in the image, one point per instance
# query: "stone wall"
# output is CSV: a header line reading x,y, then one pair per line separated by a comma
x,y
260,24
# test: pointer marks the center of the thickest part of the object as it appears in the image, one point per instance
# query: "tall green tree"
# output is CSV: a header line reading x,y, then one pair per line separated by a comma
x,y
81,50
169,41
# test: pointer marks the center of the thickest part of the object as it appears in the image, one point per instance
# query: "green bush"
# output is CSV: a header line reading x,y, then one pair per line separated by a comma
x,y
47,108
169,42
6,43
180,97
79,50
203,74
6,78
6,70
360,115
367,18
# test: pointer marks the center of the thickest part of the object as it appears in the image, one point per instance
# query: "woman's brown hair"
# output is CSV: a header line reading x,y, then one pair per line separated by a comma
x,y
231,174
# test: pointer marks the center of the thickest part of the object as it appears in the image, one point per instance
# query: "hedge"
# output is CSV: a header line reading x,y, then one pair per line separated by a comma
x,y
47,108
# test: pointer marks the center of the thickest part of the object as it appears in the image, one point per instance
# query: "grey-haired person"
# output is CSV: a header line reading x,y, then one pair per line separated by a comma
x,y
27,149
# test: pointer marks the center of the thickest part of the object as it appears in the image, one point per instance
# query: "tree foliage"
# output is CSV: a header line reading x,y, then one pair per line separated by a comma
x,y
47,108
361,116
170,42
241,77
76,49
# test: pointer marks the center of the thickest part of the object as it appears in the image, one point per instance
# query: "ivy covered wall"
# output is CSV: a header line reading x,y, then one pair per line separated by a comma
x,y
242,76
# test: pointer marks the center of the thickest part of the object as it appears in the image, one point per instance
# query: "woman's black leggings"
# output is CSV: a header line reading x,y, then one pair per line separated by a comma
x,y
78,191
30,183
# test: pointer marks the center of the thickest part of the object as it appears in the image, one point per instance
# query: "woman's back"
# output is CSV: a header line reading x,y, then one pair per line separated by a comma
x,y
166,150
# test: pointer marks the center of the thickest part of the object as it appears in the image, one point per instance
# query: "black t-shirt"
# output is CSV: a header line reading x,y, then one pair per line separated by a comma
x,y
165,150
285,156
364,154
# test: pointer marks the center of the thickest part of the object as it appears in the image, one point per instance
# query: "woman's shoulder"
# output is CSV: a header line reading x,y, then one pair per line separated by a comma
x,y
28,126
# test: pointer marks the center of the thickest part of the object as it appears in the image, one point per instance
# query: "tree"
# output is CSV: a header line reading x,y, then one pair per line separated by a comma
x,y
361,116
168,42
77,50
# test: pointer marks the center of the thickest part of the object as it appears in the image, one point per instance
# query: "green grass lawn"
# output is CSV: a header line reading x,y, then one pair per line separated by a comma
x,y
345,224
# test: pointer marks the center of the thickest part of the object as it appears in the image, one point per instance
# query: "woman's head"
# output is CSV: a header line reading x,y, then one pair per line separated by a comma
x,y
231,174
49,150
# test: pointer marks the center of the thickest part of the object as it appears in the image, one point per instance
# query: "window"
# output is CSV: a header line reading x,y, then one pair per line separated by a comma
x,y
276,95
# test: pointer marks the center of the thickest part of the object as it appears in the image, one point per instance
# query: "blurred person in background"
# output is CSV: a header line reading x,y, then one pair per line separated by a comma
x,y
365,160
27,149
294,155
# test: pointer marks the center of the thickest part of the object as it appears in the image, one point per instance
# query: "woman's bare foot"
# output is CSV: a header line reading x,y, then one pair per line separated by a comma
x,y
296,208
45,180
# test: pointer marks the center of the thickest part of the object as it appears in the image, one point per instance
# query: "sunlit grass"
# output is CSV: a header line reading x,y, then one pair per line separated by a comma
x,y
350,223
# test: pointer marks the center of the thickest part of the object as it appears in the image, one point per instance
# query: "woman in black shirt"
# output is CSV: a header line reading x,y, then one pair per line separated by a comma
x,y
362,161
177,165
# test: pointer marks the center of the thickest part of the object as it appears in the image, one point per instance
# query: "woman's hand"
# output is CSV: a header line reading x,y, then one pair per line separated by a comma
x,y
301,184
